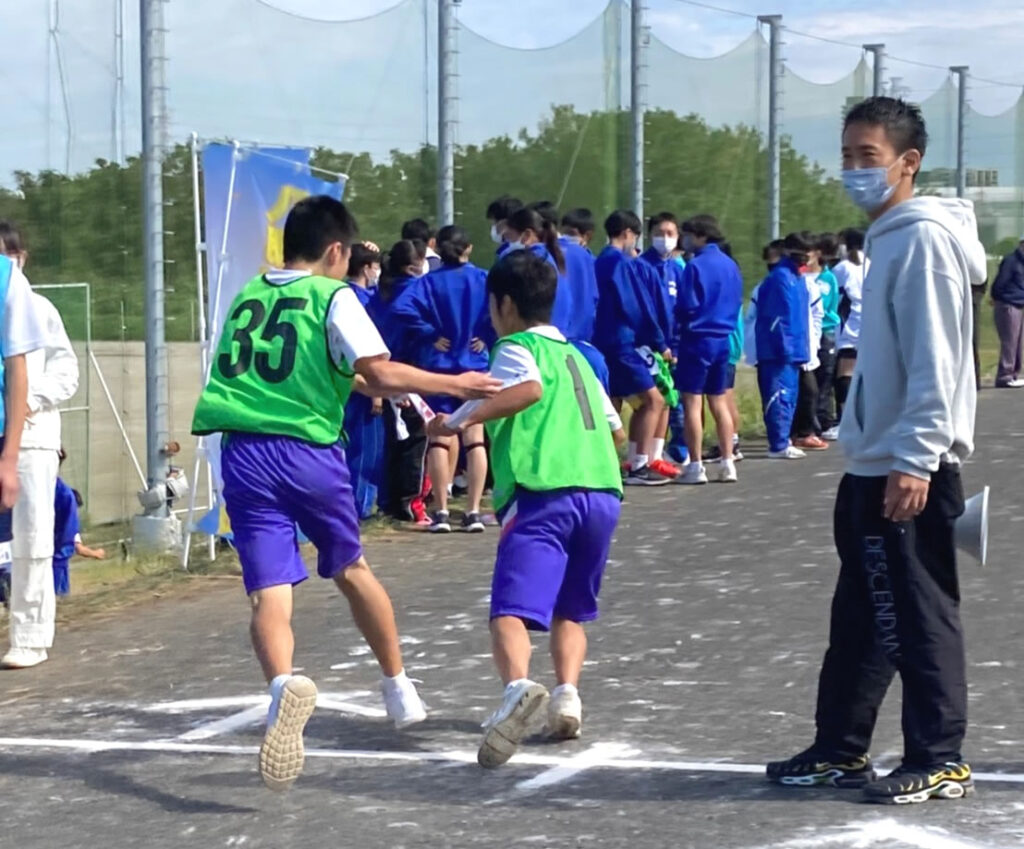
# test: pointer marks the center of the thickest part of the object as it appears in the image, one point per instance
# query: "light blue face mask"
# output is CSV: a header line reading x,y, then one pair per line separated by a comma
x,y
869,187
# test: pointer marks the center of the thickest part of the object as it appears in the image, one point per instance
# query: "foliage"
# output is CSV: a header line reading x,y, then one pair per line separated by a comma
x,y
88,227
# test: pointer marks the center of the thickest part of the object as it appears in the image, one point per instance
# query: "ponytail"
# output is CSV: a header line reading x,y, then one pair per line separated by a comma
x,y
452,244
393,264
546,230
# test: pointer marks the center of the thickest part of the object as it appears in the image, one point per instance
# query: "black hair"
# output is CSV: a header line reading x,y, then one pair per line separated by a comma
x,y
903,122
704,227
580,219
854,241
11,241
417,228
313,225
726,248
362,256
548,211
828,245
661,218
775,246
529,281
402,254
797,247
452,243
503,208
547,232
620,221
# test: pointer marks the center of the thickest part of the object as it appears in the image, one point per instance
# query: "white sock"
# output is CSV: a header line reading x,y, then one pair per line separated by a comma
x,y
658,449
639,461
276,686
735,439
513,684
564,688
696,466
394,683
631,454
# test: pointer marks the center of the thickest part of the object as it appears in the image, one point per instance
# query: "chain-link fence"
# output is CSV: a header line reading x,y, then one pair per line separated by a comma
x,y
547,121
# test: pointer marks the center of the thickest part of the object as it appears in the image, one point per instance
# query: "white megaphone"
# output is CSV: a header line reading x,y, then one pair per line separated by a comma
x,y
971,531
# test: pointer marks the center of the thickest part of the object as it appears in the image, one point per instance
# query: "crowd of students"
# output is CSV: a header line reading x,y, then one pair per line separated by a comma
x,y
663,329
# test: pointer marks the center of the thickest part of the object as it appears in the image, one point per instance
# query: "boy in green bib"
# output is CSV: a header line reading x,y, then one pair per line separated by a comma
x,y
557,491
295,343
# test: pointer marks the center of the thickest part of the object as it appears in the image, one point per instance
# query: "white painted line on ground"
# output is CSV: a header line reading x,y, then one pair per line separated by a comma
x,y
603,761
235,722
883,832
325,702
575,765
186,705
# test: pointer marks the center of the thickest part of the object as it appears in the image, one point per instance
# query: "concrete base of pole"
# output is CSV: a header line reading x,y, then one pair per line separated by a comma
x,y
156,534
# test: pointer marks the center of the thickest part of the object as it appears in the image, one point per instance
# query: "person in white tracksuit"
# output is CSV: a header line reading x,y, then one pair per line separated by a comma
x,y
52,379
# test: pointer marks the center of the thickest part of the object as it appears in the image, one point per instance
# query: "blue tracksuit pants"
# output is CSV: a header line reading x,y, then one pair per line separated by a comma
x,y
779,383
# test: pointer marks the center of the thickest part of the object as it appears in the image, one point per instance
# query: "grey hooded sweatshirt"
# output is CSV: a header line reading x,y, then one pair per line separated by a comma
x,y
912,398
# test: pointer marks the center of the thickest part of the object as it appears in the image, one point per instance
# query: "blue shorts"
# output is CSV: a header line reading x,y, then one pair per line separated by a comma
x,y
6,525
446,404
272,484
552,554
703,367
628,373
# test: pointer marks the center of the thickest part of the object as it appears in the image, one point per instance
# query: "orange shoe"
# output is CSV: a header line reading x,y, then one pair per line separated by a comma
x,y
811,443
665,468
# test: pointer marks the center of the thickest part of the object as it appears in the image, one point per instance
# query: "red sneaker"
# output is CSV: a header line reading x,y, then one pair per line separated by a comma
x,y
665,468
811,443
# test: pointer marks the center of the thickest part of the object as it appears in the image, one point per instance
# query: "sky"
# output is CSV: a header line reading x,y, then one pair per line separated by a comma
x,y
241,69
984,34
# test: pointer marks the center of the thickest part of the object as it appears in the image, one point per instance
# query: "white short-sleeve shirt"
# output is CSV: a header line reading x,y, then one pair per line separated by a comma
x,y
351,334
514,364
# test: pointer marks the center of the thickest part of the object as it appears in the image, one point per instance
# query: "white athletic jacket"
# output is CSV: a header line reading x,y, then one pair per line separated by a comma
x,y
52,379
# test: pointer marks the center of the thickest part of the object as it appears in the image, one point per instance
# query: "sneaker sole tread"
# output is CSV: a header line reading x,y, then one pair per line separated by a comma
x,y
283,754
503,738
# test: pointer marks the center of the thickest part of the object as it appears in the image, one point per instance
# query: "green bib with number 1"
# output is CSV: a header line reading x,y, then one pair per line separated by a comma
x,y
563,440
273,372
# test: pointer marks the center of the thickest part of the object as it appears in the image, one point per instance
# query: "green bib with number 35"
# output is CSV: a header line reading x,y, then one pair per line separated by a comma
x,y
563,440
273,372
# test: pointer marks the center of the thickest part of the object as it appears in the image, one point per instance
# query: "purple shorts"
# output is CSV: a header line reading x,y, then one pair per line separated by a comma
x,y
272,484
552,554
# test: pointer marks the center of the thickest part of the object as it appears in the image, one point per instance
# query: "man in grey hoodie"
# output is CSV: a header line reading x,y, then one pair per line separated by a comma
x,y
907,427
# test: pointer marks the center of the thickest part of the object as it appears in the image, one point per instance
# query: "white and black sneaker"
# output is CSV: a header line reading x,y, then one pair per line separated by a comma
x,y
440,522
472,523
521,709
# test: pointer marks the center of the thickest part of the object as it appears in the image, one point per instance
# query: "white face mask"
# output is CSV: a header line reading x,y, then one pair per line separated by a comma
x,y
495,235
425,268
372,279
516,246
664,245
869,187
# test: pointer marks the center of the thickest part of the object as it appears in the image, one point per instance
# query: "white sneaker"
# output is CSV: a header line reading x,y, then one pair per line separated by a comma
x,y
790,452
565,713
1016,383
693,476
727,472
402,702
831,435
282,754
505,728
21,658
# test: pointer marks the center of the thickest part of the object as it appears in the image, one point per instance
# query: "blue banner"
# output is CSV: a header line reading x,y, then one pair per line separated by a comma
x,y
246,239
268,183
